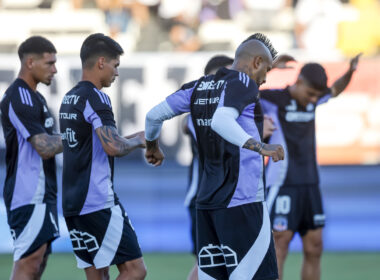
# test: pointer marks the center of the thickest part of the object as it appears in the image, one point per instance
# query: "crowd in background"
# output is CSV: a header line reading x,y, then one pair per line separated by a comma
x,y
217,25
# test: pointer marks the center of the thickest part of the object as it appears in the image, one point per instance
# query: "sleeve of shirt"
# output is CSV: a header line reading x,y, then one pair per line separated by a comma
x,y
25,114
324,98
239,93
180,100
98,110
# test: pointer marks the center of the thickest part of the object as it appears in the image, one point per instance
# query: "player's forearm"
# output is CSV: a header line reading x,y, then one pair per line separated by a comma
x,y
340,84
47,146
155,118
224,123
115,145
253,145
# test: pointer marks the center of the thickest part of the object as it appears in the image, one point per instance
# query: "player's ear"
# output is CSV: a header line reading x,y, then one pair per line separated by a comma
x,y
257,60
101,61
28,61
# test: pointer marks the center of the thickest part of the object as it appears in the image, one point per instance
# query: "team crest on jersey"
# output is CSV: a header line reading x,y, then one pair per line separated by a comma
x,y
214,255
280,223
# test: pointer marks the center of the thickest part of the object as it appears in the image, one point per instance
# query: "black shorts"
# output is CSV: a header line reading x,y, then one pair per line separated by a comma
x,y
236,243
31,227
103,238
192,213
297,208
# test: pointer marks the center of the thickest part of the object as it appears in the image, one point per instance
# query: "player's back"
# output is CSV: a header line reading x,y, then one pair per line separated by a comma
x,y
87,169
224,182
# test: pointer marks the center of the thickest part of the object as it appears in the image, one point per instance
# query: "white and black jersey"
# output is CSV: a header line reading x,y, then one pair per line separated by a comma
x,y
230,175
87,169
29,179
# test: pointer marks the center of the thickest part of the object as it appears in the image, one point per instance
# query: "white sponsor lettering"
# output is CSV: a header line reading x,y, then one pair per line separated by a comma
x,y
205,101
49,122
204,122
210,85
68,116
69,135
69,99
299,116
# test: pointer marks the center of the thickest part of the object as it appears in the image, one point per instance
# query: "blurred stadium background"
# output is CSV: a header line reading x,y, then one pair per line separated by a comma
x,y
167,43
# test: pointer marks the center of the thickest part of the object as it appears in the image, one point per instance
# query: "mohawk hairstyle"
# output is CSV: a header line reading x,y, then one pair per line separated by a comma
x,y
263,39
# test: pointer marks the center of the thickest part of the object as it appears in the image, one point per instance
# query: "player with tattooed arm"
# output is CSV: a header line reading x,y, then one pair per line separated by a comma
x,y
30,188
100,230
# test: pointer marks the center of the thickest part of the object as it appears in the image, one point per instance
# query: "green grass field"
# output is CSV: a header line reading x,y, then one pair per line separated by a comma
x,y
335,266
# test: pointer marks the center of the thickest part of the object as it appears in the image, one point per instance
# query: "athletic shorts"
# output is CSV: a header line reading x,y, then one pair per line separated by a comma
x,y
31,227
236,243
103,238
297,208
192,213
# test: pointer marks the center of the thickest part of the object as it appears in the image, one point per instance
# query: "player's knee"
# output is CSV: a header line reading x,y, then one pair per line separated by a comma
x,y
31,266
137,273
140,273
313,250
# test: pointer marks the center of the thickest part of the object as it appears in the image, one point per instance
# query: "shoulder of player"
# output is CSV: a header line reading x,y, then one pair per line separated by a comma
x,y
21,96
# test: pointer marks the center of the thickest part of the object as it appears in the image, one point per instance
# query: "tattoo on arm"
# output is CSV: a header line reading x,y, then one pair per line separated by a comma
x,y
253,145
113,144
47,146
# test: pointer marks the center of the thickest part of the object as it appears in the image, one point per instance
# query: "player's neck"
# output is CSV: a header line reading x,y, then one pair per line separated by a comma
x,y
91,77
28,79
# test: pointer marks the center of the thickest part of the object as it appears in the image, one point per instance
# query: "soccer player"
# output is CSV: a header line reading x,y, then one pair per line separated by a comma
x,y
100,230
234,238
294,197
212,66
30,188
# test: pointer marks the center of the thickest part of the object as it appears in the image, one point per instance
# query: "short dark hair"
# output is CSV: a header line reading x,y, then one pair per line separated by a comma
x,y
36,45
97,45
315,75
217,62
265,40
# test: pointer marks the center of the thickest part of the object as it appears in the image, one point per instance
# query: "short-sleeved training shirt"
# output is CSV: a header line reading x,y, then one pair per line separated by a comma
x,y
296,132
29,179
87,182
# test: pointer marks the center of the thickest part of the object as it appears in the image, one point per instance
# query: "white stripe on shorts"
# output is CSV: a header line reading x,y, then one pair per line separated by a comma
x,y
81,263
111,239
30,231
251,262
203,275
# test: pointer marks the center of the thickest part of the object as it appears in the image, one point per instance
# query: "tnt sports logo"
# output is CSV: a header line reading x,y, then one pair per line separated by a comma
x,y
214,255
83,241
69,135
280,223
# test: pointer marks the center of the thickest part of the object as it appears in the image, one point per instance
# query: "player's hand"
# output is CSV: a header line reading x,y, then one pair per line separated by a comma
x,y
275,151
281,62
153,153
354,62
140,137
269,126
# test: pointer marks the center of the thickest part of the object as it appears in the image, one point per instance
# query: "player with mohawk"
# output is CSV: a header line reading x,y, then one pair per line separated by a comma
x,y
234,238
